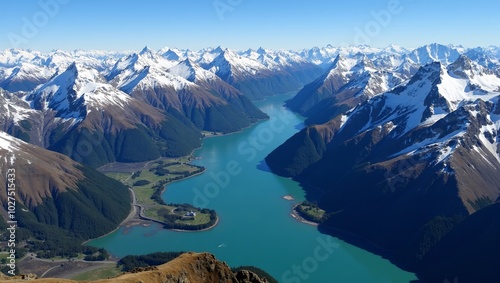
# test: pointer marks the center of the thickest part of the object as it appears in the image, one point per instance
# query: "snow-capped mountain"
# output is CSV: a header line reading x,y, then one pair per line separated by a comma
x,y
435,52
403,144
204,57
486,57
23,70
348,82
340,88
422,155
183,88
76,92
194,73
60,90
24,77
431,102
78,106
230,66
260,77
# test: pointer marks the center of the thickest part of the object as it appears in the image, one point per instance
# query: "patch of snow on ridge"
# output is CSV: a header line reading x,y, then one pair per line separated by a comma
x,y
491,147
8,142
431,142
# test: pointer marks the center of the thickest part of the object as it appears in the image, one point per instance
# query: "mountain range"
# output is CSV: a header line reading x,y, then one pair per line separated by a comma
x,y
406,166
401,146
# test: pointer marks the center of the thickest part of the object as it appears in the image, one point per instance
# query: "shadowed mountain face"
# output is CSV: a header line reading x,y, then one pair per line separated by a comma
x,y
404,168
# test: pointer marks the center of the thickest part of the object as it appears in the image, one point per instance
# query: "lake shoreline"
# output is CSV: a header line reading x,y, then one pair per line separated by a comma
x,y
298,217
134,215
263,228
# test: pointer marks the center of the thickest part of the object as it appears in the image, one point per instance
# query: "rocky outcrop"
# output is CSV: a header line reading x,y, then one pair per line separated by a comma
x,y
245,276
187,268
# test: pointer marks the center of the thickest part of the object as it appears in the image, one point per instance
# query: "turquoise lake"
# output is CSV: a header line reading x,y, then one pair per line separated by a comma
x,y
255,226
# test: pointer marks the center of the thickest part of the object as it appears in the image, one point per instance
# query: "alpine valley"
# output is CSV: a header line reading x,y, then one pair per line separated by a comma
x,y
401,146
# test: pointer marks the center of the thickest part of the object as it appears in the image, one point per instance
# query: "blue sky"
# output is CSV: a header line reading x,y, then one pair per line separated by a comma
x,y
241,24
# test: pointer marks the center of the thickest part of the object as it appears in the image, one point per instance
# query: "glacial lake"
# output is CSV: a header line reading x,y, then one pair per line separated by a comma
x,y
255,226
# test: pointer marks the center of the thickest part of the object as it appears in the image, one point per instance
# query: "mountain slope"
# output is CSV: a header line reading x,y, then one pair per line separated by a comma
x,y
24,77
469,252
434,53
95,123
186,89
358,73
255,79
421,157
235,113
348,82
54,194
188,267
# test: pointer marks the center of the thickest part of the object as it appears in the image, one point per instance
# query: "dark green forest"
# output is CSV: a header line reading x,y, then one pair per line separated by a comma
x,y
60,225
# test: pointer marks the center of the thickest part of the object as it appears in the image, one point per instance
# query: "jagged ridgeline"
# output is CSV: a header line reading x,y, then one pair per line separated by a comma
x,y
412,166
403,143
60,203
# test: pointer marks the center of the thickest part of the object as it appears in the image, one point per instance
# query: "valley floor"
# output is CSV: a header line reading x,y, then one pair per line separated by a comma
x,y
147,182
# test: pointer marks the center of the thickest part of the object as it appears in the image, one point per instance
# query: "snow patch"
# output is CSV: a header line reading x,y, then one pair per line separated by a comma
x,y
9,143
433,142
491,147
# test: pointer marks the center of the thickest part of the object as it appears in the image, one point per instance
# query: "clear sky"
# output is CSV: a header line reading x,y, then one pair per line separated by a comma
x,y
240,24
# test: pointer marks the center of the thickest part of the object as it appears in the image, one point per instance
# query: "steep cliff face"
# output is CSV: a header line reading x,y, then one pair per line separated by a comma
x,y
188,268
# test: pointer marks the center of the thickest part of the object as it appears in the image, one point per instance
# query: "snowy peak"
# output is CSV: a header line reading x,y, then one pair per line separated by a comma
x,y
261,51
486,57
426,98
465,68
147,53
217,50
24,77
434,52
58,94
221,66
346,68
146,50
184,69
364,64
229,65
393,49
138,62
476,79
75,92
123,64
144,68
171,55
191,71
